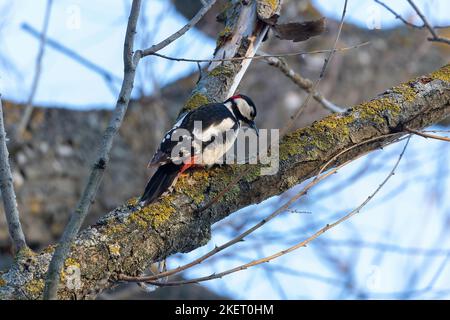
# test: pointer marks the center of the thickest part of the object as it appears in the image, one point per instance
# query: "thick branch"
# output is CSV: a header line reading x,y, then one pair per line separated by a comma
x,y
128,239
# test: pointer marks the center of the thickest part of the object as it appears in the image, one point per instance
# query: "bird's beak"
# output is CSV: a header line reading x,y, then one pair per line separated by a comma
x,y
252,125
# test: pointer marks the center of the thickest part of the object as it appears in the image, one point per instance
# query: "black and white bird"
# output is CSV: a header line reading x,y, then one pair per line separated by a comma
x,y
220,124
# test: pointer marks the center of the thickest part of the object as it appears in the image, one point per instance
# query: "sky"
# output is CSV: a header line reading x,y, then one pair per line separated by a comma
x,y
83,26
98,37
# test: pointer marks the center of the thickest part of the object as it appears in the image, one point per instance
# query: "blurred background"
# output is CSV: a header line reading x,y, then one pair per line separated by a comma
x,y
398,246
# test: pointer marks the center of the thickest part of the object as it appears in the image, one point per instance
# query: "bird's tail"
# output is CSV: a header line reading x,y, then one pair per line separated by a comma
x,y
160,182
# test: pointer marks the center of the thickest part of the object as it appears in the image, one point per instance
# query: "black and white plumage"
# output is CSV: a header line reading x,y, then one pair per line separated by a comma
x,y
220,124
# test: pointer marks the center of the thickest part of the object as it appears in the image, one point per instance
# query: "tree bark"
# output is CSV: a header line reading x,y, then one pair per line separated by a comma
x,y
128,239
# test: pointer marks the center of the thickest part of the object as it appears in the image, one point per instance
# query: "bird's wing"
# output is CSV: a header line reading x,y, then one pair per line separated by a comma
x,y
214,119
158,158
164,152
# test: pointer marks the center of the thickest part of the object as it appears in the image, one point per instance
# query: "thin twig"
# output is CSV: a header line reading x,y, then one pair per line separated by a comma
x,y
406,22
259,57
424,19
157,47
7,190
319,177
303,83
296,246
427,135
95,177
37,74
435,37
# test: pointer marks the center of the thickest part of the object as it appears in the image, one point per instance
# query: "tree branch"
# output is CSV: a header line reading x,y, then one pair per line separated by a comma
x,y
95,177
37,74
7,189
302,83
155,48
435,37
129,239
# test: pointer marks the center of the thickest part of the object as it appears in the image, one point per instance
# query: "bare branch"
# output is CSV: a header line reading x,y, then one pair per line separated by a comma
x,y
435,37
406,22
95,177
37,74
7,189
259,57
303,83
427,135
157,47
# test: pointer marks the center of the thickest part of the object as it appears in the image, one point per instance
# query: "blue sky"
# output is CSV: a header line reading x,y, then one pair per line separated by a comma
x,y
84,27
98,37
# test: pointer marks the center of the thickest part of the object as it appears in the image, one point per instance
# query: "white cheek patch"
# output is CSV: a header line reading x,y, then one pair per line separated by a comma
x,y
244,108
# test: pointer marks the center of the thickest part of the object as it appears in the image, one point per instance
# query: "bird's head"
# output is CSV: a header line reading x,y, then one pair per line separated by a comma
x,y
244,110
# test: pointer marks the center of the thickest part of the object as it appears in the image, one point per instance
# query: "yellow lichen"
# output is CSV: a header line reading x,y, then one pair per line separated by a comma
x,y
195,101
49,249
293,144
69,263
321,136
373,110
223,36
272,3
25,254
442,74
185,185
133,201
2,282
336,123
221,70
324,134
408,93
153,214
114,228
35,287
114,249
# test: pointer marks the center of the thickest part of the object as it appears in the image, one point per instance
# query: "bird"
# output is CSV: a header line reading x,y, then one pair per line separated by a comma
x,y
220,125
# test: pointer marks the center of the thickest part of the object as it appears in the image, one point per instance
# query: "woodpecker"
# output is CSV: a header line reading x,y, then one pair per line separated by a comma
x,y
220,124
